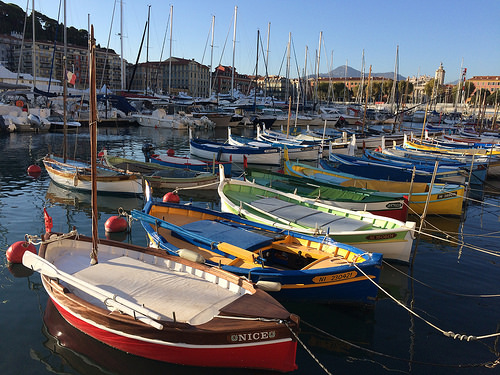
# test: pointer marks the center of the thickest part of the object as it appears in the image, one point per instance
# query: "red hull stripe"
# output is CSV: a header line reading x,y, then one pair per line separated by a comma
x,y
279,356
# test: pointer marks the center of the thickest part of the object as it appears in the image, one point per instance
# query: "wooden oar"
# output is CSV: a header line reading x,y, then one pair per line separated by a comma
x,y
44,267
220,247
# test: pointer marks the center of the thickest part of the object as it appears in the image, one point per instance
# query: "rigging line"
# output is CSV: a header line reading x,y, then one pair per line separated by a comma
x,y
107,45
440,290
451,334
206,44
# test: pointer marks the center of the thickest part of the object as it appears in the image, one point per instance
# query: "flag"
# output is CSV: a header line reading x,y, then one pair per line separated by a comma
x,y
70,77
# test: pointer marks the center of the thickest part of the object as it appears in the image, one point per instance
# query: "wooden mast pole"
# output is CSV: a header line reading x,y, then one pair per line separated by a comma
x,y
93,145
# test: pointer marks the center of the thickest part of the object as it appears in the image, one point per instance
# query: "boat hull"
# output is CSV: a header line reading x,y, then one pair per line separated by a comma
x,y
77,178
301,278
236,154
209,342
368,232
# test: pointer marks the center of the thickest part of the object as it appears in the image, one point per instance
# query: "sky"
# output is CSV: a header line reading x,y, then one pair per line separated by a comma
x,y
419,35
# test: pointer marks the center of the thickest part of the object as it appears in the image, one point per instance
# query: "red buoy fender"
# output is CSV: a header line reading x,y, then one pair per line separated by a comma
x,y
116,224
171,197
16,251
34,170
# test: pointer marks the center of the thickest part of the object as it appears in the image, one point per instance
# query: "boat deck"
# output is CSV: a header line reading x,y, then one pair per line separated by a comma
x,y
159,287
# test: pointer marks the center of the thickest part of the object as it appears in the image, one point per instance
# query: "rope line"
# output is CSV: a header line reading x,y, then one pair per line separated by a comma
x,y
490,364
451,334
308,350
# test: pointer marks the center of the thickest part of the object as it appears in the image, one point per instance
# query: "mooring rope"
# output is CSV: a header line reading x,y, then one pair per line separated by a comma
x,y
451,334
308,350
490,364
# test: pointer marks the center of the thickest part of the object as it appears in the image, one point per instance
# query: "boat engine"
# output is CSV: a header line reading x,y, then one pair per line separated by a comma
x,y
147,150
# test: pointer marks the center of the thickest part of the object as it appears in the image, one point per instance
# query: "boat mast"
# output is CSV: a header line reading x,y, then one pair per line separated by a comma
x,y
122,63
147,54
306,80
256,74
64,80
317,67
267,60
394,100
93,145
211,57
170,58
234,45
33,48
288,65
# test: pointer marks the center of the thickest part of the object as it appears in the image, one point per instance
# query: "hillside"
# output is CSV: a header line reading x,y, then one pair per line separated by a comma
x,y
340,72
46,28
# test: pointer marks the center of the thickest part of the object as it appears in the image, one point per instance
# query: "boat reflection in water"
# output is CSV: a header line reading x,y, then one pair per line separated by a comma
x,y
107,203
76,351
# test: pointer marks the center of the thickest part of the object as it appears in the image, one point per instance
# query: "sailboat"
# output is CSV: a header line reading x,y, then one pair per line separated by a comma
x,y
149,304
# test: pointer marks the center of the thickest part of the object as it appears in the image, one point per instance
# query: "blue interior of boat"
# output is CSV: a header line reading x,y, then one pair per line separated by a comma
x,y
219,231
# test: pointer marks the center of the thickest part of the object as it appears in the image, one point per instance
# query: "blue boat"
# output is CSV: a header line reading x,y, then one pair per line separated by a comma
x,y
289,265
391,171
476,171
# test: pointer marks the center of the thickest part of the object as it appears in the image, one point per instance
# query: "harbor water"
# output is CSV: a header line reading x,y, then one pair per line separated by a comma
x,y
451,285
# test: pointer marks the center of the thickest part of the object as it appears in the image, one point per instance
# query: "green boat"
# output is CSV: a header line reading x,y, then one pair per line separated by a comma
x,y
372,233
351,198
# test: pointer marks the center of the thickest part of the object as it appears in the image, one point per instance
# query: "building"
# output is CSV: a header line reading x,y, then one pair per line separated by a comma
x,y
49,62
490,83
439,76
187,76
223,80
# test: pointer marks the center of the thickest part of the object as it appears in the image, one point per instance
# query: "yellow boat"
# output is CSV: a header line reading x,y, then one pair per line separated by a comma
x,y
445,199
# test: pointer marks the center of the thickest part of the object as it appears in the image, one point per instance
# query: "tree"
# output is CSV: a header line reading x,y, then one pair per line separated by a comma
x,y
429,88
376,91
403,89
387,87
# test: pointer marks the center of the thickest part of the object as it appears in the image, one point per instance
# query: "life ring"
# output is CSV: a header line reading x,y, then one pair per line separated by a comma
x,y
19,103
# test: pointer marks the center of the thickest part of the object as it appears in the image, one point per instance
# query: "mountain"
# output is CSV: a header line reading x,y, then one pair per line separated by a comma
x,y
340,72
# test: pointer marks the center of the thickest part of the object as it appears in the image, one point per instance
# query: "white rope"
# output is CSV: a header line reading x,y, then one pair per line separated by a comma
x,y
451,334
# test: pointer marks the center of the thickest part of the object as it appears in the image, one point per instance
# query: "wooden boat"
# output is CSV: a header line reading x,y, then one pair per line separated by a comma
x,y
473,173
154,305
185,162
444,199
290,265
163,177
207,149
492,162
295,151
395,171
76,174
206,307
391,237
423,146
350,198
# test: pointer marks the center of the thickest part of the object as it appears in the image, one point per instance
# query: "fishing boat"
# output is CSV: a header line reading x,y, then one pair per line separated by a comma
x,y
295,151
76,174
163,177
351,198
150,304
440,199
186,162
288,211
491,162
473,173
207,149
393,171
289,265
